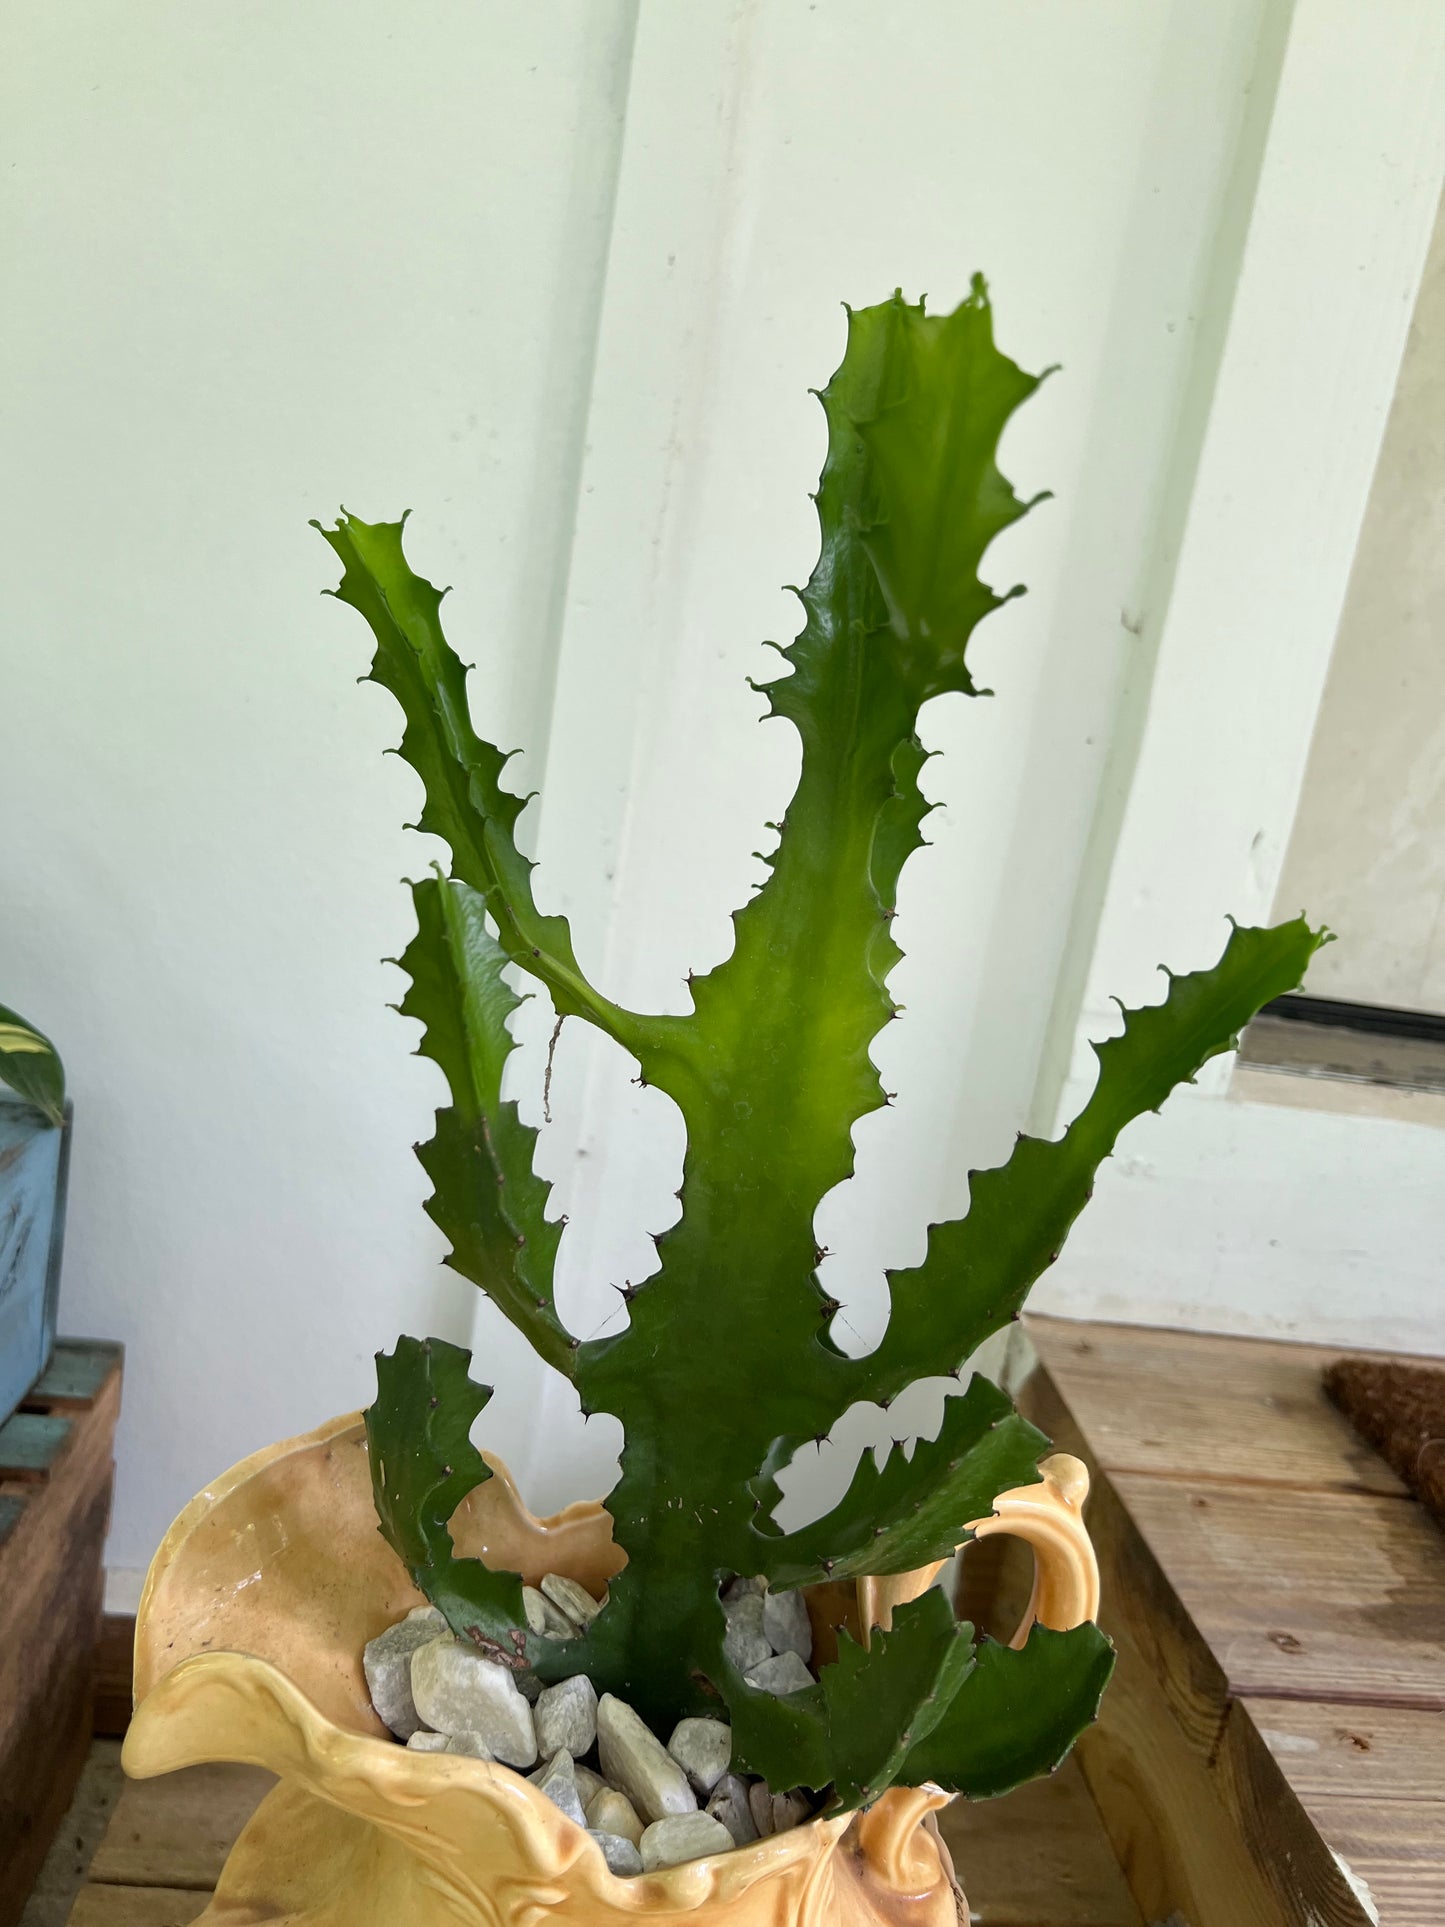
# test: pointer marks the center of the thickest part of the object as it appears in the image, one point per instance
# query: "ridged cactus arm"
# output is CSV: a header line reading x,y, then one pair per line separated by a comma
x,y
979,1269
909,1512
464,802
727,1364
423,1464
1015,1715
486,1196
779,1070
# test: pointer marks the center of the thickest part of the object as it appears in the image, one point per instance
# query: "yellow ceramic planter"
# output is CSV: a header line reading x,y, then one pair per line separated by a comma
x,y
248,1648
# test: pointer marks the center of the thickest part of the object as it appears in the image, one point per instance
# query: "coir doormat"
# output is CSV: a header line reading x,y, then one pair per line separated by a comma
x,y
1400,1410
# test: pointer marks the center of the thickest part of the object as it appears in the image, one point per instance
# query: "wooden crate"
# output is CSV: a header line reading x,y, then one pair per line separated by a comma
x,y
56,1473
1278,1604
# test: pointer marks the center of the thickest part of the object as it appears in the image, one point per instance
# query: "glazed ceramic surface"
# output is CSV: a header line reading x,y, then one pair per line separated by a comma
x,y
248,1647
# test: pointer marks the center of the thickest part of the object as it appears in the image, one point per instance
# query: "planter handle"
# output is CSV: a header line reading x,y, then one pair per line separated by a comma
x,y
1048,1516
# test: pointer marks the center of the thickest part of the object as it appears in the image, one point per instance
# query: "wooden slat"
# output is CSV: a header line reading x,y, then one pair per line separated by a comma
x,y
50,1599
1371,1752
77,1370
1396,1848
1303,1595
1188,1813
137,1906
1279,1608
32,1444
11,1508
175,1831
1040,1858
1188,1403
114,1675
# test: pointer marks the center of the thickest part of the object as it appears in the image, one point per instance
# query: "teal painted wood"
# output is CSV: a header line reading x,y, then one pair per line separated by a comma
x,y
30,1443
34,1160
78,1368
10,1511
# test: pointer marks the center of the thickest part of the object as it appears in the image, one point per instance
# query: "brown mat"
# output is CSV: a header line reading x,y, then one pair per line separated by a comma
x,y
1400,1410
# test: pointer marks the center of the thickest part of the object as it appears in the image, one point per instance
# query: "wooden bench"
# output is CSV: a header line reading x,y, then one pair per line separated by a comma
x,y
1278,1603
56,1473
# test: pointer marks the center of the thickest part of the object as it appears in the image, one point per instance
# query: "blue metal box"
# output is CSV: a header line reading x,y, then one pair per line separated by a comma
x,y
34,1158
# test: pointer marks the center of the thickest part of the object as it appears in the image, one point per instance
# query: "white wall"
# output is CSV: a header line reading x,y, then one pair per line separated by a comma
x,y
260,261
272,260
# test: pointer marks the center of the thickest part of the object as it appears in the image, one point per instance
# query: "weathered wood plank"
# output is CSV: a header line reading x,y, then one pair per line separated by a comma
x,y
137,1906
50,1598
1303,1595
1040,1858
11,1508
1396,1848
114,1675
175,1831
1170,1402
1180,1815
32,1444
77,1370
1367,1752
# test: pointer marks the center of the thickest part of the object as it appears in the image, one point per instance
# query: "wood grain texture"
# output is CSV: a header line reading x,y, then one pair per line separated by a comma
x,y
72,1380
137,1906
32,1445
1188,1403
1369,1752
176,1831
1216,1585
1303,1595
50,1602
114,1675
1040,1858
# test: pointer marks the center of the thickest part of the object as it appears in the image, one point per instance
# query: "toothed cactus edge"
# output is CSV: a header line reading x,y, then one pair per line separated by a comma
x,y
771,1070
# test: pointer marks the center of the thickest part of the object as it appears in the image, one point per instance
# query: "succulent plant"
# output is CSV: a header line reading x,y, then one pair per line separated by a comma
x,y
30,1066
770,1070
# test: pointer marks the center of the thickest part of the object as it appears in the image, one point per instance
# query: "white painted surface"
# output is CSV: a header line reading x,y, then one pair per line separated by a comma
x,y
1240,1216
260,261
266,262
1368,846
1081,156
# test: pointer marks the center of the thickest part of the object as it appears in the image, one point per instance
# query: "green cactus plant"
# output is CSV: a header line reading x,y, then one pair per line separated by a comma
x,y
771,1070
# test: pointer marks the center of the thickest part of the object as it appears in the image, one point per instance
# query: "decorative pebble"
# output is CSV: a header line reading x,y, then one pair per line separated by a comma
x,y
636,1762
570,1598
559,1783
470,1744
544,1618
704,1750
609,1811
683,1836
566,1715
423,1742
386,1662
456,1690
729,1803
529,1686
618,1851
745,1642
789,1810
781,1674
786,1624
760,1806
740,1588
589,1784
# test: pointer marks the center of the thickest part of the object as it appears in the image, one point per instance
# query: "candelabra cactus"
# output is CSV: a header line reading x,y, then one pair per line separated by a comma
x,y
771,1070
